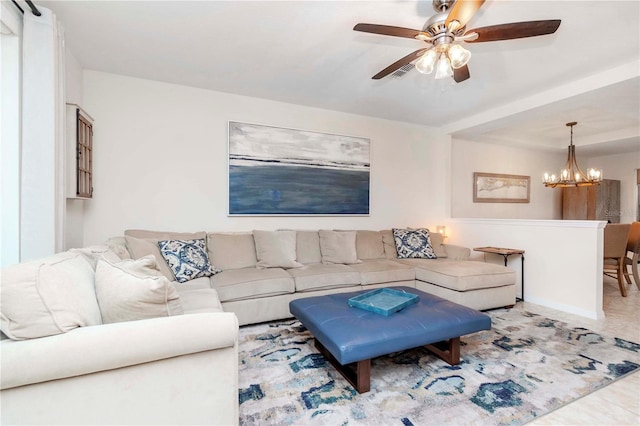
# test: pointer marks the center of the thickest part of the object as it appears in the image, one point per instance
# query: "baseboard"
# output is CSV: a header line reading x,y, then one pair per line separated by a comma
x,y
596,315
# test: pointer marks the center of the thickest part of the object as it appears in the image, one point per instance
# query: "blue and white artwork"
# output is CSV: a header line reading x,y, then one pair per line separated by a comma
x,y
278,171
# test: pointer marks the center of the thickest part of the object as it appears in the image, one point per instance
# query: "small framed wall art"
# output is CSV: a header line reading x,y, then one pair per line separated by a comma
x,y
499,188
280,171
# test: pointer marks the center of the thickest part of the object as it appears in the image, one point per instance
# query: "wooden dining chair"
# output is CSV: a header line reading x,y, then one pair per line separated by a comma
x,y
615,251
633,254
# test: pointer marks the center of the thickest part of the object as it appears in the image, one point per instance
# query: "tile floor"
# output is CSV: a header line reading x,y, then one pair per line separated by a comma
x,y
618,403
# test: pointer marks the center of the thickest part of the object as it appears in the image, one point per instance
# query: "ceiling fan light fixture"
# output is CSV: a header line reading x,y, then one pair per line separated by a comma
x,y
443,68
459,56
427,61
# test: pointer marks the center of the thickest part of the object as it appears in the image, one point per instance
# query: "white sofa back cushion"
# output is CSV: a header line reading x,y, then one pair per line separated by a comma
x,y
338,247
369,245
232,251
48,296
437,242
142,243
307,246
132,290
276,249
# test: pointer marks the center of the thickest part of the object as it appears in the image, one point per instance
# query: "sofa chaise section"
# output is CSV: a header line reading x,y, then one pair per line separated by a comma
x,y
478,285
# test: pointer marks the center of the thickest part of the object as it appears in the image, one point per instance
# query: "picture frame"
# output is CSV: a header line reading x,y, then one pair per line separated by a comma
x,y
501,188
278,171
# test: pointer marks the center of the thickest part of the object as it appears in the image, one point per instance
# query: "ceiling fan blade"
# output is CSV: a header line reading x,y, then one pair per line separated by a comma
x,y
400,63
462,11
515,30
387,30
461,74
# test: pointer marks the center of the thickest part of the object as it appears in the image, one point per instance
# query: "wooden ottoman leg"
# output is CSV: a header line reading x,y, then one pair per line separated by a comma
x,y
357,374
448,351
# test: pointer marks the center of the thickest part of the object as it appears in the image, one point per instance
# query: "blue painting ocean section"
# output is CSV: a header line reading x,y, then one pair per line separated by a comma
x,y
277,189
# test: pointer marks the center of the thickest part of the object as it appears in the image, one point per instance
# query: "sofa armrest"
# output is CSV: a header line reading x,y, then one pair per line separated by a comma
x,y
457,252
87,350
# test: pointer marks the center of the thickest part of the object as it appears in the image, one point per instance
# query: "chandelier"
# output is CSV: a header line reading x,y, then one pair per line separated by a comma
x,y
571,175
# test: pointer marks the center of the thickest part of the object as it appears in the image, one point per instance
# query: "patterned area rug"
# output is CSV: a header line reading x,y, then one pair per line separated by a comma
x,y
526,366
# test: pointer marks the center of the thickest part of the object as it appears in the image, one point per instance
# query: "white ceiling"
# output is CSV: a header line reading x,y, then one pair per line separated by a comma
x,y
521,92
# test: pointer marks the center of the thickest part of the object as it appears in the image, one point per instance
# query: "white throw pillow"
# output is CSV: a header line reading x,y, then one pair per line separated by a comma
x,y
338,247
134,290
48,296
276,249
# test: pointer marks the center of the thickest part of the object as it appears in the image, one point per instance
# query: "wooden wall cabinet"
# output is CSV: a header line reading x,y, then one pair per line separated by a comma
x,y
600,202
79,147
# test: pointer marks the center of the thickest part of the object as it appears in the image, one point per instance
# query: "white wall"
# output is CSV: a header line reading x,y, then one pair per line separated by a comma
x,y
160,160
74,209
563,258
40,201
469,157
621,167
10,123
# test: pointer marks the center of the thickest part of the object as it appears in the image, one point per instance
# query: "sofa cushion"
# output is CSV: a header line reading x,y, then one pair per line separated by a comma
x,y
194,284
139,248
413,244
369,245
132,290
308,247
187,259
48,296
377,271
118,245
276,249
141,243
461,275
389,244
201,300
338,247
252,283
232,250
321,276
437,242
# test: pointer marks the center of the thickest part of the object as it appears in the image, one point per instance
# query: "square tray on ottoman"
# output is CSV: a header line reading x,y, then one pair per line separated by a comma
x,y
384,301
350,337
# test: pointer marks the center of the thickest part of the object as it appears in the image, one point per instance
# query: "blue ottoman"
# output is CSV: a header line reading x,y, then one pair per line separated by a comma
x,y
350,337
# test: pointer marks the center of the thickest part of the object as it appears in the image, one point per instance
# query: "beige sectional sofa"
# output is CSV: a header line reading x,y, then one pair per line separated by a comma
x,y
257,294
176,360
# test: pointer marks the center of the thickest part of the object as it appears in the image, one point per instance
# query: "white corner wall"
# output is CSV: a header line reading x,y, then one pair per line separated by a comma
x,y
563,258
469,157
160,160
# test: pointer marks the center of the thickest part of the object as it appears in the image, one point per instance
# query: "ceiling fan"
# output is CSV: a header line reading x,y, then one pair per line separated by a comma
x,y
443,33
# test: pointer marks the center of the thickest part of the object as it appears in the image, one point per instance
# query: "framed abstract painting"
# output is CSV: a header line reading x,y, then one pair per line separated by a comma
x,y
281,171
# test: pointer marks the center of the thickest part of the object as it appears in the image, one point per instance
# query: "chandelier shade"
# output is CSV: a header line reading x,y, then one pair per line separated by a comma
x,y
571,175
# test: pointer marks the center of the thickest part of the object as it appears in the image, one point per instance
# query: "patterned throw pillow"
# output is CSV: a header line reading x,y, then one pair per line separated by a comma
x,y
187,259
413,244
